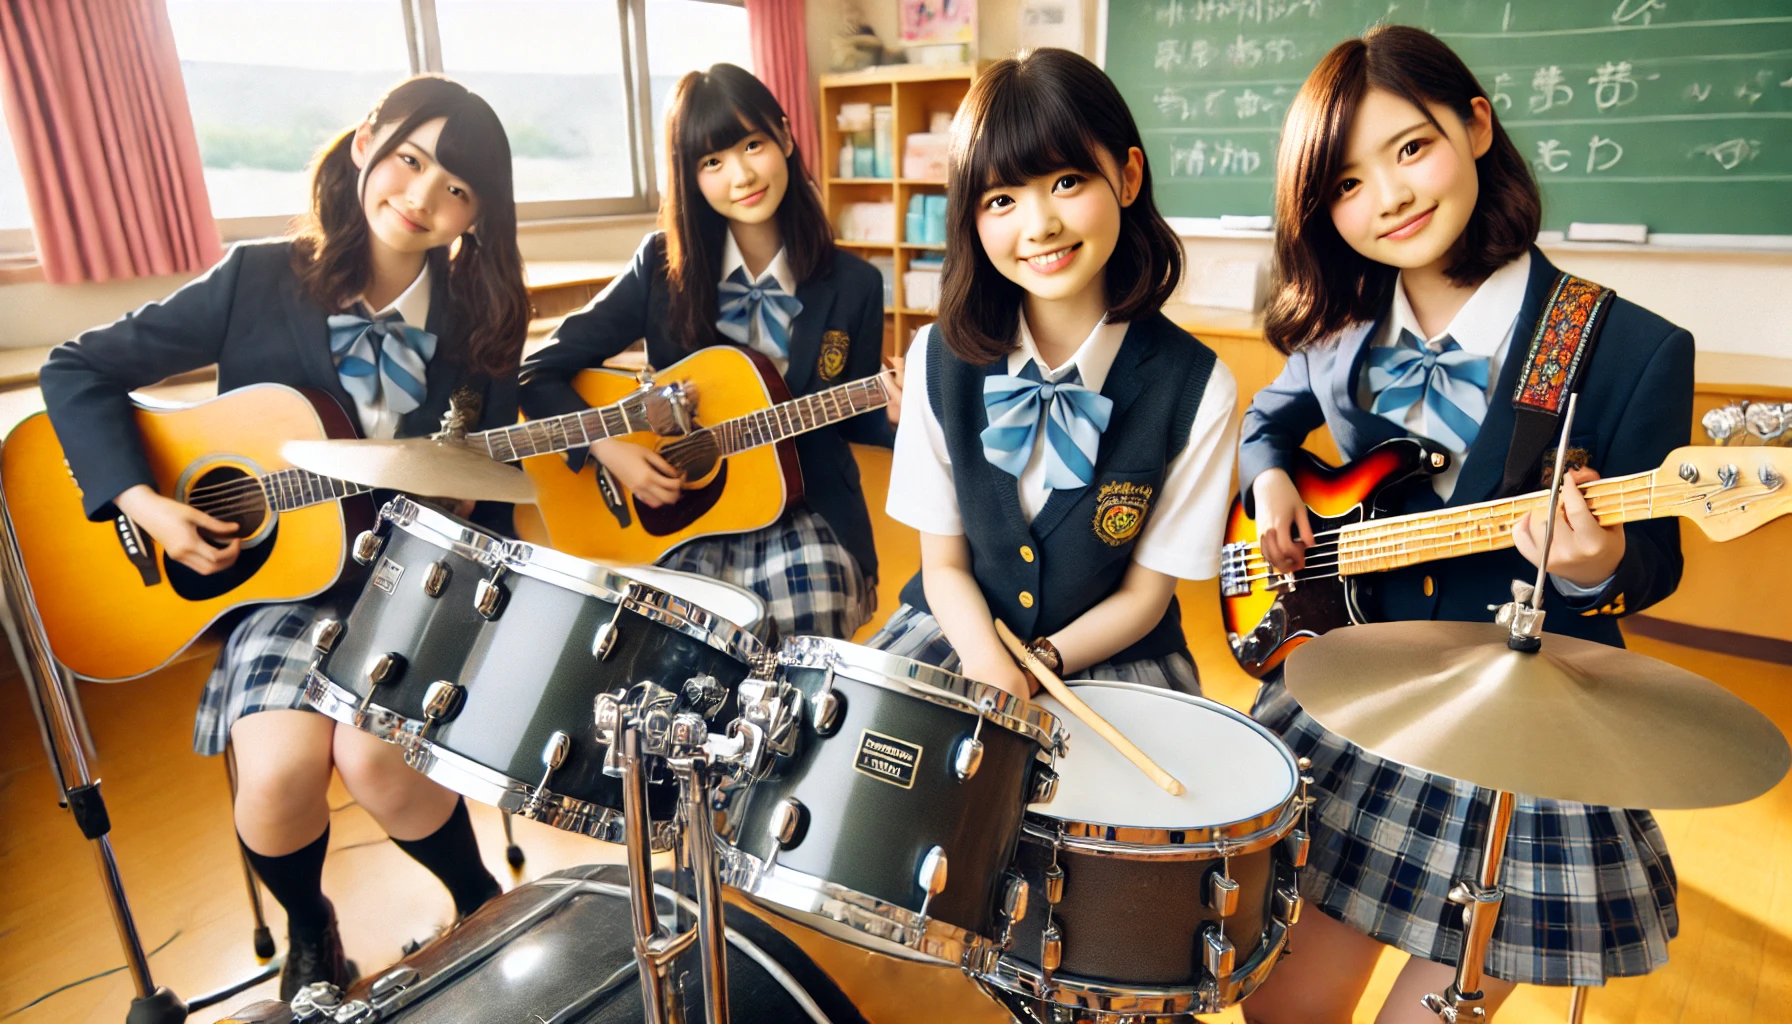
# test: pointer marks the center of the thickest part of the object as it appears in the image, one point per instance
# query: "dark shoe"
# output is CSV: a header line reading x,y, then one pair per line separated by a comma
x,y
315,956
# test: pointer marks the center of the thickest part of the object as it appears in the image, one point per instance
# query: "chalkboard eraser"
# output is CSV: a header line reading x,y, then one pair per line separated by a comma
x,y
1638,233
1230,222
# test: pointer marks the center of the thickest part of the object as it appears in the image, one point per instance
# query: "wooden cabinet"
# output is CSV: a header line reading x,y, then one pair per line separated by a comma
x,y
913,92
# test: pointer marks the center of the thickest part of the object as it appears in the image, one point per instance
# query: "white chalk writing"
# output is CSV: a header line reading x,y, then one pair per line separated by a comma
x,y
1547,84
1593,149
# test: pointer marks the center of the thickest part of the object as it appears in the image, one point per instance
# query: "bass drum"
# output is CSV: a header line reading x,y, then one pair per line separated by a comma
x,y
561,949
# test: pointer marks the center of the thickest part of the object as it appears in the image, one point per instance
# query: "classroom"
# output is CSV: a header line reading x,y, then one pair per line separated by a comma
x,y
889,511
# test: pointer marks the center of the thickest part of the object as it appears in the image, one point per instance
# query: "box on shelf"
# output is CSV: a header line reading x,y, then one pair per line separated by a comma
x,y
921,287
867,222
935,213
924,156
1226,283
857,157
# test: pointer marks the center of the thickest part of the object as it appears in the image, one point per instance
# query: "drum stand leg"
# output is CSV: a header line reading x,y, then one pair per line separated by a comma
x,y
1577,1004
1480,900
68,760
513,854
656,948
698,836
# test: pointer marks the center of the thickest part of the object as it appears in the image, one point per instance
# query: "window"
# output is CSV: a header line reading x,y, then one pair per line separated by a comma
x,y
15,212
269,81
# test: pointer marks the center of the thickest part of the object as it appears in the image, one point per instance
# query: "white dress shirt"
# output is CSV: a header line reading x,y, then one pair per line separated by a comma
x,y
1183,535
777,270
378,421
1483,327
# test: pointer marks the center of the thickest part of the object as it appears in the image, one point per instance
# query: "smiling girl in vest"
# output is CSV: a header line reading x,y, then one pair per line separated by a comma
x,y
401,288
745,256
1407,295
1065,449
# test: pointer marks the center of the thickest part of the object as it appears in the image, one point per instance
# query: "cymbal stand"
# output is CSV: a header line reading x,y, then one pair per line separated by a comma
x,y
656,948
1480,897
79,790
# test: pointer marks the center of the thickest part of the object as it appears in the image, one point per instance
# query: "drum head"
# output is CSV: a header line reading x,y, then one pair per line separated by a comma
x,y
736,604
1233,768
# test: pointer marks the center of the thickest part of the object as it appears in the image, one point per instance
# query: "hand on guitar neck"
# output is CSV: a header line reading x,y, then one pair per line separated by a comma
x,y
181,529
1581,551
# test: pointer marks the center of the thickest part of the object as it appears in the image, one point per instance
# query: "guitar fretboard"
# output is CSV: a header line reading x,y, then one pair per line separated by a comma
x,y
799,415
557,433
289,489
1382,544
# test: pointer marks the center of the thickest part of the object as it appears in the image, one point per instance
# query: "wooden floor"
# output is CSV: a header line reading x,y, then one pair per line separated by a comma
x,y
171,827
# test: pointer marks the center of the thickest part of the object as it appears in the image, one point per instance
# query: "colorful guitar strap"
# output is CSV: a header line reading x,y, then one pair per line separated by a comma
x,y
1561,346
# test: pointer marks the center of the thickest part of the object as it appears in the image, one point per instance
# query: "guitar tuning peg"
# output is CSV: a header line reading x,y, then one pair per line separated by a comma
x,y
1724,423
1768,420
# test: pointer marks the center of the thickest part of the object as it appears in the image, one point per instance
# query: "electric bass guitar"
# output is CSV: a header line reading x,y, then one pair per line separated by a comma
x,y
1726,491
741,470
116,607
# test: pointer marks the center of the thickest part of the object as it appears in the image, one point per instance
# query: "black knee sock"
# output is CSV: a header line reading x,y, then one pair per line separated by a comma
x,y
296,880
452,855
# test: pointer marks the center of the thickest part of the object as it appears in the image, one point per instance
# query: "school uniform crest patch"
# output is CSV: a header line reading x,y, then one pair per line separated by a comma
x,y
834,347
1120,510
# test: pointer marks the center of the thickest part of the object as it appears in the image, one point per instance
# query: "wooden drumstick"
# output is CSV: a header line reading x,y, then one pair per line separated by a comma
x,y
1052,683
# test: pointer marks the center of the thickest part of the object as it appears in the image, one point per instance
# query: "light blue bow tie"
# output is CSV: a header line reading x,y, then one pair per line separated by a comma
x,y
1451,383
741,302
382,356
1074,419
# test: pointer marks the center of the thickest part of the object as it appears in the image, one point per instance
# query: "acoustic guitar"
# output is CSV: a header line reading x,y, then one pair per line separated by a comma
x,y
741,470
116,607
1726,491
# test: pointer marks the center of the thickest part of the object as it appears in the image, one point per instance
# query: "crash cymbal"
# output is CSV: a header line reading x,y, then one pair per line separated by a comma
x,y
418,465
1575,721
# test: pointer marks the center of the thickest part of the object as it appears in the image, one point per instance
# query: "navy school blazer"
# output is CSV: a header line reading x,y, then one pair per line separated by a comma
x,y
250,315
848,298
1635,407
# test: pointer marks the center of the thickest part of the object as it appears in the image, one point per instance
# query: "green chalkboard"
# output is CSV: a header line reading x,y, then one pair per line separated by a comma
x,y
1672,113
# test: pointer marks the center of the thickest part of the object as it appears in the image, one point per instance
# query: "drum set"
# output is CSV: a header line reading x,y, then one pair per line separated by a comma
x,y
883,802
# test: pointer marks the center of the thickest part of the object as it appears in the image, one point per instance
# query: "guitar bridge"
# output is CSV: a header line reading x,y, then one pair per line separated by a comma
x,y
137,549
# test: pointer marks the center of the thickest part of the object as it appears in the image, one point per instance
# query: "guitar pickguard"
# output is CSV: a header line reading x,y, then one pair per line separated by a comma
x,y
197,587
1301,610
691,506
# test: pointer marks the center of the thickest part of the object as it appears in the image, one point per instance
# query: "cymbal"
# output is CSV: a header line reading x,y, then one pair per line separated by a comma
x,y
1575,721
417,465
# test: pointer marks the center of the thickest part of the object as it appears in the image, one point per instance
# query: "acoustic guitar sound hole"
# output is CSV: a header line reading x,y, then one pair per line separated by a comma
x,y
230,494
233,495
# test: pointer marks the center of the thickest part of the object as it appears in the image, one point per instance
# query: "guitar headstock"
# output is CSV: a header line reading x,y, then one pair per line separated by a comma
x,y
1728,491
669,410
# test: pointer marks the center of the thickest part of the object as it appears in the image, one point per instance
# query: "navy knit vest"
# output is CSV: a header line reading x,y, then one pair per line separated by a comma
x,y
1039,578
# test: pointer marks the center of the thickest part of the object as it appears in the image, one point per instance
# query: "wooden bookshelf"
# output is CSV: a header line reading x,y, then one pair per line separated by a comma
x,y
913,92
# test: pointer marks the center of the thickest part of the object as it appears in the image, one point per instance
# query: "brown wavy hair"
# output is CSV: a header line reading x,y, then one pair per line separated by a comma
x,y
1320,284
488,302
1028,115
711,111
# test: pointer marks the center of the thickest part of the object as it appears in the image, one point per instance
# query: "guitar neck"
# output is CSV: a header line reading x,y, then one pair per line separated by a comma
x,y
1382,544
800,415
557,433
289,489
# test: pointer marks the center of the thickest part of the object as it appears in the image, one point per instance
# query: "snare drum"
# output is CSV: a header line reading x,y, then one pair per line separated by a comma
x,y
1144,903
520,732
414,623
890,816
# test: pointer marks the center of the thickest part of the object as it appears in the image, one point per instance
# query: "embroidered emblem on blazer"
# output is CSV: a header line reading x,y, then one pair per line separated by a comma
x,y
1120,510
834,347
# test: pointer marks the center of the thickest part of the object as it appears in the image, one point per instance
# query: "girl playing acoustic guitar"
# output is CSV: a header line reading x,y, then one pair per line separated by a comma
x,y
1407,295
402,286
1066,449
745,257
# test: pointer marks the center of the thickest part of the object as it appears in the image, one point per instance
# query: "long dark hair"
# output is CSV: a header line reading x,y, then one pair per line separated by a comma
x,y
488,301
1321,284
711,111
1027,115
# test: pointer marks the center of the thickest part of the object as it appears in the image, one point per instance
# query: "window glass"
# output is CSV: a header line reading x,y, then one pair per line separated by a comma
x,y
689,35
270,81
553,72
15,213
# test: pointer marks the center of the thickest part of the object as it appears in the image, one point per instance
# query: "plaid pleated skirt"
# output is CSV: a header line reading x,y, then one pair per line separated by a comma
x,y
810,583
915,634
261,668
1590,891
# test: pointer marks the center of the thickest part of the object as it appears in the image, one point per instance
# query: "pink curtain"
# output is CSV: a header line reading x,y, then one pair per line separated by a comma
x,y
781,60
105,142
